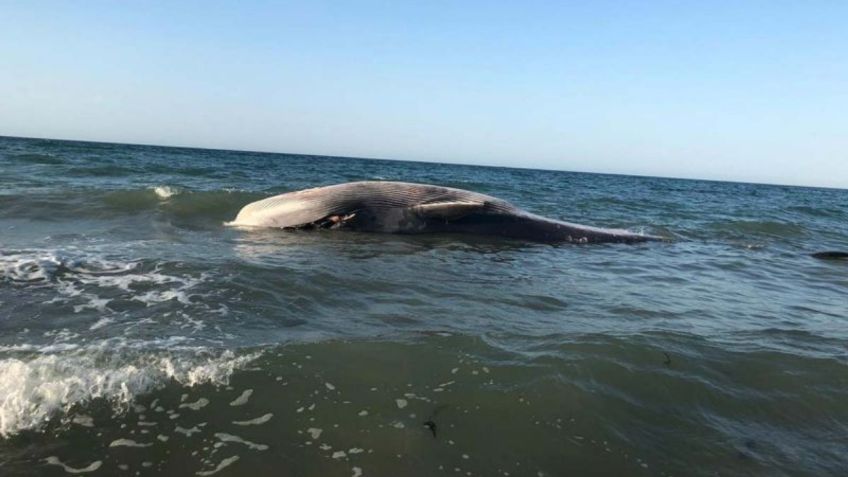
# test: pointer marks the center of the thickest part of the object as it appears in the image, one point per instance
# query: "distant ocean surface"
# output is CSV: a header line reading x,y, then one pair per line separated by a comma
x,y
140,336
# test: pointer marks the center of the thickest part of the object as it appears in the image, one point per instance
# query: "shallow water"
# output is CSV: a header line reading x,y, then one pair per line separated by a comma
x,y
138,335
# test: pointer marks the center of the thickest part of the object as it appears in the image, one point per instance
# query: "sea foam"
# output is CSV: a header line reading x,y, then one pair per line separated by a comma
x,y
39,387
83,279
165,192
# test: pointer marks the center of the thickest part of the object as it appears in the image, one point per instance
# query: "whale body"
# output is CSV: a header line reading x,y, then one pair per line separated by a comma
x,y
407,208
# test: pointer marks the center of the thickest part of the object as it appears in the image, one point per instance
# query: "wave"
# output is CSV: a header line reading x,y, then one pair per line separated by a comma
x,y
108,167
40,384
819,211
164,200
84,282
36,158
45,266
166,192
735,228
106,170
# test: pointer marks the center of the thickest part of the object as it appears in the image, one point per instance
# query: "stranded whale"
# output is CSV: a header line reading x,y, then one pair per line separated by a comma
x,y
406,208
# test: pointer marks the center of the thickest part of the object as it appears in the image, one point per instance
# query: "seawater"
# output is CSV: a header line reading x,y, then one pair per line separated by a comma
x,y
140,336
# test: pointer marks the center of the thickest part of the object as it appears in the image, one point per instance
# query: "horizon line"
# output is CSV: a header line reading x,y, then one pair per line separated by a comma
x,y
202,148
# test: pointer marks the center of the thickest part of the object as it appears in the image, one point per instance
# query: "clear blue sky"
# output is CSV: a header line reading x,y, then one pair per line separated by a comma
x,y
736,90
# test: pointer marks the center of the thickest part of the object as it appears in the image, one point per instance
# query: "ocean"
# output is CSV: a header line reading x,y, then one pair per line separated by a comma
x,y
141,336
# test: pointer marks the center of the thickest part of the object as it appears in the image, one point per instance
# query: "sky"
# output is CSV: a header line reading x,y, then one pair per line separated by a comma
x,y
752,91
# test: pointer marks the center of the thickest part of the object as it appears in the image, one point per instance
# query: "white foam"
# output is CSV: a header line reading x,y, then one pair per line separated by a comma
x,y
166,192
101,323
79,278
83,420
197,405
38,387
29,267
187,432
242,399
94,303
255,422
156,296
224,437
224,463
128,443
53,460
44,265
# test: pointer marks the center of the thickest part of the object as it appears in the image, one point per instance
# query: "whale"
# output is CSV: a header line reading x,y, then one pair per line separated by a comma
x,y
410,208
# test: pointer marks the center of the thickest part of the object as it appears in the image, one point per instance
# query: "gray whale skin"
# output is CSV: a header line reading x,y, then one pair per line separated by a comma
x,y
406,208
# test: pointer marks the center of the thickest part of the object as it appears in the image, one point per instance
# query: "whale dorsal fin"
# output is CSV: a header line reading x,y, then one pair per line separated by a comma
x,y
449,210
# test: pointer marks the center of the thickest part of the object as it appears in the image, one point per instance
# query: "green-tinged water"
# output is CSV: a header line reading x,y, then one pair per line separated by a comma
x,y
141,336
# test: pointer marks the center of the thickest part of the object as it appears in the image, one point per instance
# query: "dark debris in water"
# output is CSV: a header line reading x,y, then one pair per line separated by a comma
x,y
431,426
831,255
430,423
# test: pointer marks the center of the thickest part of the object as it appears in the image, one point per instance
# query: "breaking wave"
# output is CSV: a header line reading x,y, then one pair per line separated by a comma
x,y
40,384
